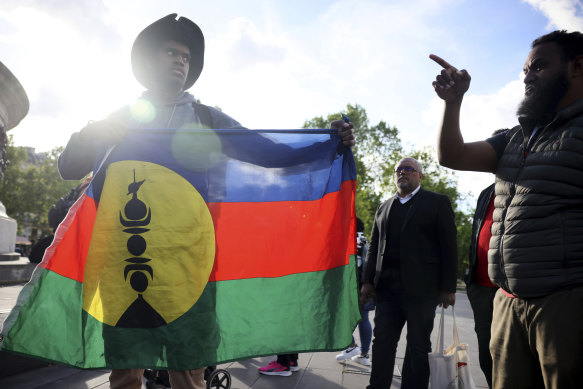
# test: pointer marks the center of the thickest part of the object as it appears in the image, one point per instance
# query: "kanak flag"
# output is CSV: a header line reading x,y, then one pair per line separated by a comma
x,y
196,247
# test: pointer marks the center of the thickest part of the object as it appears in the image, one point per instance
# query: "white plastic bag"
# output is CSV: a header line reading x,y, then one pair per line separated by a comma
x,y
450,368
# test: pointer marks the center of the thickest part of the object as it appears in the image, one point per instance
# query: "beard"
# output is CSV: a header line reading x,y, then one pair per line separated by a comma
x,y
405,186
537,106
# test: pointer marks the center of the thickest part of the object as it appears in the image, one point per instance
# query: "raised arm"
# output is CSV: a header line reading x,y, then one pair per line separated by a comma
x,y
77,160
451,85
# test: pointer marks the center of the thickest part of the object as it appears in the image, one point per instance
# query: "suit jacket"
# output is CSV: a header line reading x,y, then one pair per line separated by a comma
x,y
428,252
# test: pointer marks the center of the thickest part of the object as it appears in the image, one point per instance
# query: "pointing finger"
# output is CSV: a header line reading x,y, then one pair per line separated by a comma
x,y
442,62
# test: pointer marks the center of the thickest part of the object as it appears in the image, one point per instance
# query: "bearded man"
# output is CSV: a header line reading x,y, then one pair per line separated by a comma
x,y
536,250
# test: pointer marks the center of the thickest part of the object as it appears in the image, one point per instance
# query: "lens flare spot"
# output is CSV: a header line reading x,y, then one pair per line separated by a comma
x,y
196,150
143,111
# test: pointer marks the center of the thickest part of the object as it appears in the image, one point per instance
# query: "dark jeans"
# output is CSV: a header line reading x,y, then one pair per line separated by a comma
x,y
365,330
482,301
393,310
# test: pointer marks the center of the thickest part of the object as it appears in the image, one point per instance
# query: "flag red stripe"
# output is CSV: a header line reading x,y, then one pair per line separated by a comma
x,y
252,234
66,255
253,240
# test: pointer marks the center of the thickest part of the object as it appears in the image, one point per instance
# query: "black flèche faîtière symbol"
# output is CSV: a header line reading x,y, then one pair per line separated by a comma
x,y
139,314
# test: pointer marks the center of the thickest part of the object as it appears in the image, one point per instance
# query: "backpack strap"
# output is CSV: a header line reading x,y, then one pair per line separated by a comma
x,y
204,114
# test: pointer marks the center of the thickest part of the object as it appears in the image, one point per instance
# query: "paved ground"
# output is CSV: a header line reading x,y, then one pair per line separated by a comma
x,y
318,370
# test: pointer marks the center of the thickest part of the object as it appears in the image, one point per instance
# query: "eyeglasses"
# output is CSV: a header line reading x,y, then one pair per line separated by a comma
x,y
175,53
406,170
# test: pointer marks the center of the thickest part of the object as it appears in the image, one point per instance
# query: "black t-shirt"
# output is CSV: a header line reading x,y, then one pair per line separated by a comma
x,y
499,142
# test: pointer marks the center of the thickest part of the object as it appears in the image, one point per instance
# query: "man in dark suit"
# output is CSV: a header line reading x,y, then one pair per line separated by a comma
x,y
411,268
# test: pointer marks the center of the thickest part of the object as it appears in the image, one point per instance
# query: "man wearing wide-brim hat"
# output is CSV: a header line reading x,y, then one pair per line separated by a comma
x,y
167,58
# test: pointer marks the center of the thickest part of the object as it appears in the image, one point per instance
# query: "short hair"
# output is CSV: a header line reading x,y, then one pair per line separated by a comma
x,y
571,43
419,165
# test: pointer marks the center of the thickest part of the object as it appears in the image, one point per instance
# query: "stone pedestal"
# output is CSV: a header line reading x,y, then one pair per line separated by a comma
x,y
7,236
13,108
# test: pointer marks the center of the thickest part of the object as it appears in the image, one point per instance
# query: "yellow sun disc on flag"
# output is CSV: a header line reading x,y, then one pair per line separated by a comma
x,y
152,247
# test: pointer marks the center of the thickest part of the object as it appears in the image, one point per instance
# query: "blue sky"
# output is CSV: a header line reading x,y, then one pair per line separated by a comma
x,y
274,64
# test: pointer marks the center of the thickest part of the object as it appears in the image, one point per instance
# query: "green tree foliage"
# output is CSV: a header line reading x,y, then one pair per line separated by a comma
x,y
378,150
29,189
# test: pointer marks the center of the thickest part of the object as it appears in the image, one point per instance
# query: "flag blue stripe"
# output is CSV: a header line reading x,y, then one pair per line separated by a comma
x,y
245,165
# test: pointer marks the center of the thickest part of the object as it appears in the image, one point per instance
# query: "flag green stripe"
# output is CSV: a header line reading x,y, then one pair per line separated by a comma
x,y
47,322
313,311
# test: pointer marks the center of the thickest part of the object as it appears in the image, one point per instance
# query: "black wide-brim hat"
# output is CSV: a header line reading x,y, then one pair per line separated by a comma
x,y
183,31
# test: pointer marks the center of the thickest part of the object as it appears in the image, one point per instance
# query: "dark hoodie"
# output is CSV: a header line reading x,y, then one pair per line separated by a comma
x,y
78,158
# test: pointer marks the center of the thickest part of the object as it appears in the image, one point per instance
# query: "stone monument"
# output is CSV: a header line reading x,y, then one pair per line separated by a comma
x,y
13,108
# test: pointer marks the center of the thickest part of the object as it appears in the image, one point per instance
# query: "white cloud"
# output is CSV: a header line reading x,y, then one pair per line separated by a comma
x,y
562,14
266,76
245,45
248,73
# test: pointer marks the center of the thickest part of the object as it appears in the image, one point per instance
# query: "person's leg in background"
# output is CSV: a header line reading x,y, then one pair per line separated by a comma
x,y
420,315
482,302
365,331
389,321
351,351
281,366
126,379
187,379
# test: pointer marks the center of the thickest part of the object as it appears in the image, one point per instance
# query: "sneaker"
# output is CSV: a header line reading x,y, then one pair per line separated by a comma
x,y
348,353
293,367
275,368
362,359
